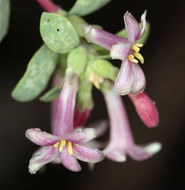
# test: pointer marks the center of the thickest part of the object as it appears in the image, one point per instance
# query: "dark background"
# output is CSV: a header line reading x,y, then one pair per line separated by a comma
x,y
165,71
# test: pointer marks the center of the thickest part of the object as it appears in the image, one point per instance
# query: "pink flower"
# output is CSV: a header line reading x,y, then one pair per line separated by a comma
x,y
131,78
121,139
66,144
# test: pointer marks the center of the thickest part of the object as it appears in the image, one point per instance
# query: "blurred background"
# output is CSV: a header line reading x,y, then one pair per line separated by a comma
x,y
165,72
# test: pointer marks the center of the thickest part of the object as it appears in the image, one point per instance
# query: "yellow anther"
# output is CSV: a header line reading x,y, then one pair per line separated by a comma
x,y
63,142
139,56
70,148
139,45
60,148
134,60
130,56
56,145
135,48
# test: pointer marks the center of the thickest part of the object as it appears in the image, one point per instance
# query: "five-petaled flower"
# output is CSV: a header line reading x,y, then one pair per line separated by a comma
x,y
66,144
131,78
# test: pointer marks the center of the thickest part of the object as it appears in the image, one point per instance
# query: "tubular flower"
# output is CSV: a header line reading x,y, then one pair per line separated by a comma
x,y
146,109
66,143
131,78
121,139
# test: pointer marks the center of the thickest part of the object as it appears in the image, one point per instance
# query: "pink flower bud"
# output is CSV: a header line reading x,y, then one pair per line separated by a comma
x,y
146,109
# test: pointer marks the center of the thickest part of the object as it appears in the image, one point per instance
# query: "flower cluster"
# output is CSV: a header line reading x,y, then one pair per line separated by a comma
x,y
83,62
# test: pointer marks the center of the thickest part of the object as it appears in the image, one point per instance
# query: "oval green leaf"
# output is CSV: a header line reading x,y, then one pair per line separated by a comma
x,y
39,70
58,33
4,17
84,7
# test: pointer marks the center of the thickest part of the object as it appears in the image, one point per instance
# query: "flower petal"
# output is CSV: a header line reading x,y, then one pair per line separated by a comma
x,y
120,51
143,21
81,135
87,154
125,78
115,154
69,161
41,157
132,27
100,127
139,82
141,153
41,138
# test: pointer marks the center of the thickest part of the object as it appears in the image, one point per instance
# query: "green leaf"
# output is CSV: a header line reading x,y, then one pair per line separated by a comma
x,y
58,33
84,7
4,17
37,75
143,39
52,94
78,23
77,60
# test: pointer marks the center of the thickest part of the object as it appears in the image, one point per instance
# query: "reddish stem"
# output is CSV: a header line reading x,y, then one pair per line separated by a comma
x,y
48,5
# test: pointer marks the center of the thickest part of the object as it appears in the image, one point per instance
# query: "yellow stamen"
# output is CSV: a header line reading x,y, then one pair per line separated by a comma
x,y
56,145
70,148
139,45
130,56
62,144
139,56
134,60
135,48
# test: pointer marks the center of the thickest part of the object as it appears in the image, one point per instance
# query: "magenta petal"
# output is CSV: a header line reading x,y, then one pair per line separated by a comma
x,y
139,82
69,161
87,154
141,153
120,51
41,138
41,157
132,27
81,135
143,21
125,78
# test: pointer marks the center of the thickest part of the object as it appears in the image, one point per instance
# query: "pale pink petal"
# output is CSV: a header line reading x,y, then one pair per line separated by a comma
x,y
146,109
80,135
41,138
125,78
100,127
139,82
87,154
143,21
115,153
132,27
141,153
69,161
41,157
120,51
